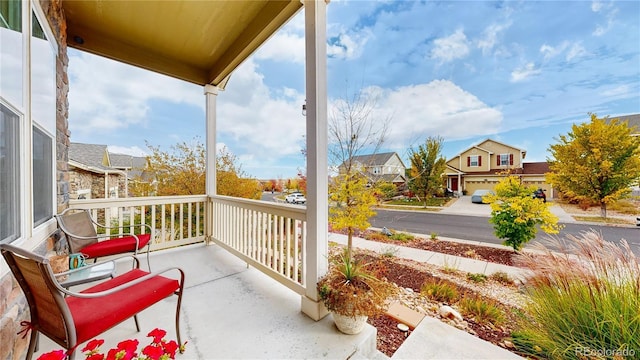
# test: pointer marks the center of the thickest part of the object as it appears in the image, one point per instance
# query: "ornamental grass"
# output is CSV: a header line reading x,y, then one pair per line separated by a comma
x,y
585,300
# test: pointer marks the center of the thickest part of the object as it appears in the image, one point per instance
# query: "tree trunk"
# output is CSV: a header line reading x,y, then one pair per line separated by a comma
x,y
603,210
349,242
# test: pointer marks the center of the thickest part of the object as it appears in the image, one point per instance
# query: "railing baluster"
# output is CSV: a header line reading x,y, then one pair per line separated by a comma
x,y
269,236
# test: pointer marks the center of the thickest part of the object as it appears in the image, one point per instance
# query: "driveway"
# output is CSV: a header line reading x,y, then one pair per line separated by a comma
x,y
464,206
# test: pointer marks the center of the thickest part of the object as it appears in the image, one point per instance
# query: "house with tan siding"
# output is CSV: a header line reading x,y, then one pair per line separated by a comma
x,y
483,165
386,167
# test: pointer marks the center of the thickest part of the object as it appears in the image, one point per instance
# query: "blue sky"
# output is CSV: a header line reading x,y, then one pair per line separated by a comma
x,y
520,72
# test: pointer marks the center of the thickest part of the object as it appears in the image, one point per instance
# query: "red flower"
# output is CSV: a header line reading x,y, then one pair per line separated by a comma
x,y
115,354
153,352
53,355
170,348
130,347
159,349
157,334
93,345
95,356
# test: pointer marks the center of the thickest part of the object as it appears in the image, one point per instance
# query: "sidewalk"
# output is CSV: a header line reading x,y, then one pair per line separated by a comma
x,y
433,339
464,206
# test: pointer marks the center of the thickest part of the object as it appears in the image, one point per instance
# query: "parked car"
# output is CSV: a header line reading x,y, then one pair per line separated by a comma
x,y
295,198
477,196
539,194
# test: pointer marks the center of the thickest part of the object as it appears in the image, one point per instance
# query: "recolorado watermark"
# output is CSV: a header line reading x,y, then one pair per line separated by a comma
x,y
585,351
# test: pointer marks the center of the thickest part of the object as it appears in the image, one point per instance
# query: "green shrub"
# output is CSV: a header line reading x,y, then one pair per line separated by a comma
x,y
400,236
584,306
439,290
479,278
482,310
434,236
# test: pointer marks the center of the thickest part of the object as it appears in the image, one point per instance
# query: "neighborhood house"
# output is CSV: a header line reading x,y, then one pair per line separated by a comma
x,y
481,167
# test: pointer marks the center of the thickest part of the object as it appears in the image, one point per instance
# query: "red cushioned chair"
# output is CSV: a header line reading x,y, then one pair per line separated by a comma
x,y
81,316
80,230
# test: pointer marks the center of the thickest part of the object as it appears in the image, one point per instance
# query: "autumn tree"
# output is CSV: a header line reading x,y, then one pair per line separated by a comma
x,y
515,213
182,171
385,189
596,162
353,130
427,167
231,180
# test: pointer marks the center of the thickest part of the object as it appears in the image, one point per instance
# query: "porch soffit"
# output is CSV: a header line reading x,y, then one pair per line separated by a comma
x,y
201,42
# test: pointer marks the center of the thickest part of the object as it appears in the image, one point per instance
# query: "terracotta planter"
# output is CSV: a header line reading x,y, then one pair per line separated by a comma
x,y
349,325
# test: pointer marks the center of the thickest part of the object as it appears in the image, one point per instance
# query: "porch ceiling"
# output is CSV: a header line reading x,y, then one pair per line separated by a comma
x,y
197,41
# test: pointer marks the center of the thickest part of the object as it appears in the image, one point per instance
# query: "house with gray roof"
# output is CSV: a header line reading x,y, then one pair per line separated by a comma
x,y
633,122
95,173
386,167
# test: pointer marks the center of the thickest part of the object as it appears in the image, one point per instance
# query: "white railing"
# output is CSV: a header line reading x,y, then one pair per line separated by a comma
x,y
174,220
269,236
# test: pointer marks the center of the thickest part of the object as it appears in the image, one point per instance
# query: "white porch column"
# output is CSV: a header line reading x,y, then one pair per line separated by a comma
x,y
317,160
210,93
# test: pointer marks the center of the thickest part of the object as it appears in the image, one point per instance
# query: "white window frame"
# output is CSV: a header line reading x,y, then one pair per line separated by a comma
x,y
32,236
474,160
83,192
18,232
504,159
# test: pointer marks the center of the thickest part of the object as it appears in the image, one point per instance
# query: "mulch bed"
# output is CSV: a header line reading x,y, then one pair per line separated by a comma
x,y
389,337
478,252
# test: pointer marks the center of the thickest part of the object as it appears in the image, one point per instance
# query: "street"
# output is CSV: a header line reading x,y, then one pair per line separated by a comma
x,y
478,228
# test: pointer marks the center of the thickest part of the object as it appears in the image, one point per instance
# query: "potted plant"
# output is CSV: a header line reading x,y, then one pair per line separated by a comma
x,y
352,291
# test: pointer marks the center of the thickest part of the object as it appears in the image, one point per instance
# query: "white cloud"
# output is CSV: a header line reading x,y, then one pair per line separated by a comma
x,y
283,47
107,96
450,48
617,92
133,150
348,45
524,72
490,35
596,6
440,108
572,50
550,52
254,120
576,51
609,11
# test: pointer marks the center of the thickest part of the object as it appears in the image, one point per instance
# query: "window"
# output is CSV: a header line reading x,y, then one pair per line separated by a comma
x,y
84,194
11,65
376,170
474,160
9,175
11,15
505,159
42,177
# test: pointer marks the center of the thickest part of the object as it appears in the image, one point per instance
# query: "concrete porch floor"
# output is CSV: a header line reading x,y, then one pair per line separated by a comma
x,y
230,311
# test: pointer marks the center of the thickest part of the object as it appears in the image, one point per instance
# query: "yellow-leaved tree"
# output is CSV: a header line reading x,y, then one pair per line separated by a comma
x,y
596,162
515,213
427,167
353,129
182,171
353,200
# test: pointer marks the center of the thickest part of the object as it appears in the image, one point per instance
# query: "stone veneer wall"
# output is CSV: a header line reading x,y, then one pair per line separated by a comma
x,y
13,304
80,179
